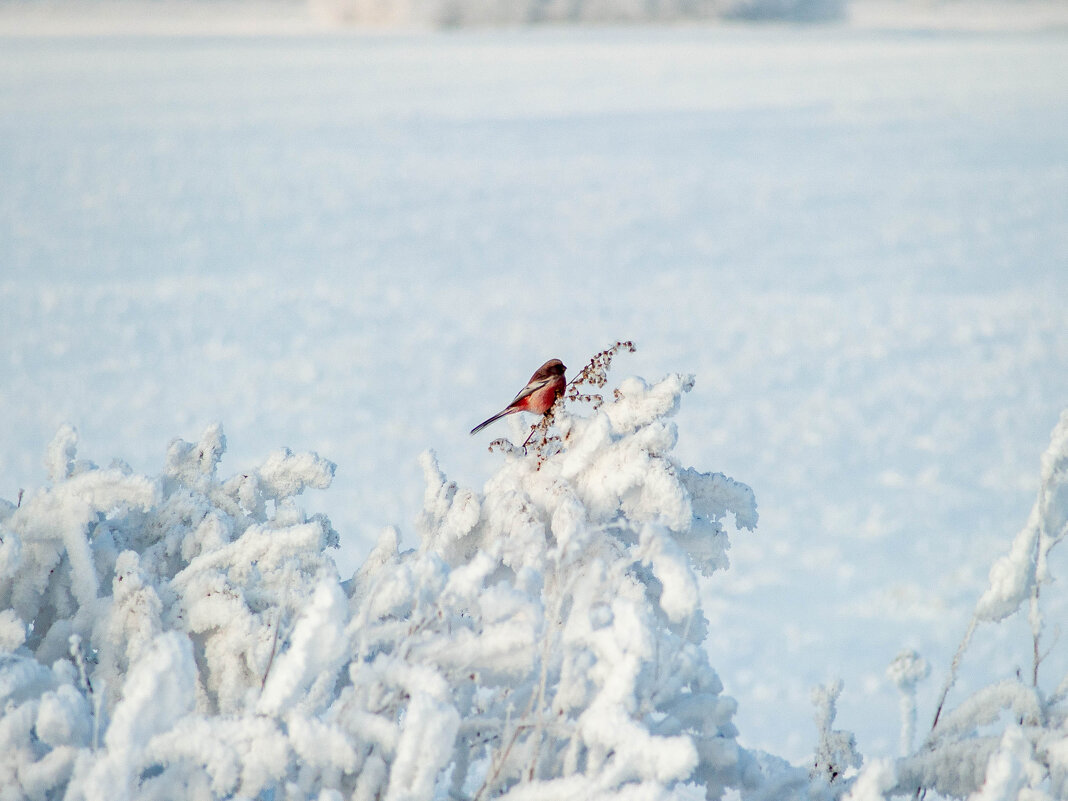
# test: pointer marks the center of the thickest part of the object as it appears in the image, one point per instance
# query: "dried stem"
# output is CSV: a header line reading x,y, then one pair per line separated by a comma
x,y
595,373
274,649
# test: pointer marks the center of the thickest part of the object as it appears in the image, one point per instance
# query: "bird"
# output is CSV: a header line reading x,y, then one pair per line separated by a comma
x,y
538,396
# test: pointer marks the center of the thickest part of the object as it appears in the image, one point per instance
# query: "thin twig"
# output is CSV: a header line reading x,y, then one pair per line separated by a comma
x,y
951,679
533,428
492,780
1036,633
274,648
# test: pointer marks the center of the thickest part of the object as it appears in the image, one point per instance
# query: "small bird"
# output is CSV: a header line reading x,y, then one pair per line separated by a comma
x,y
538,396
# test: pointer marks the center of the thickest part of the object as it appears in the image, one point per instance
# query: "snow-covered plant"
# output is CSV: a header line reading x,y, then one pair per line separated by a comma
x,y
836,752
906,671
139,614
187,636
1008,740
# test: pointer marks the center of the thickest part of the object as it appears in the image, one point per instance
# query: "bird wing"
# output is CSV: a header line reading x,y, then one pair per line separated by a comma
x,y
530,389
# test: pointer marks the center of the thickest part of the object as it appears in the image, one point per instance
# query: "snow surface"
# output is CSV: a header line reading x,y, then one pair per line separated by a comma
x,y
361,245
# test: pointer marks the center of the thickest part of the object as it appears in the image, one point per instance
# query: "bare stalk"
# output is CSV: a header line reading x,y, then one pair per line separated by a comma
x,y
954,668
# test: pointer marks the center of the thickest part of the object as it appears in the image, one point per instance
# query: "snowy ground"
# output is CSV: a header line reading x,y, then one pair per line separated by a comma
x,y
364,244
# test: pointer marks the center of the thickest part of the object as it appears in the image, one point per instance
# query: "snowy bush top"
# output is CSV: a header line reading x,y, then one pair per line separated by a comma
x,y
187,636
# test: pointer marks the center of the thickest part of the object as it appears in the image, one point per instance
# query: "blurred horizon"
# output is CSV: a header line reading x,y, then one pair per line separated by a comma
x,y
295,17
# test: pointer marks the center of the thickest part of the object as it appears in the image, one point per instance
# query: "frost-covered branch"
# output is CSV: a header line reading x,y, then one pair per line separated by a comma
x,y
1004,741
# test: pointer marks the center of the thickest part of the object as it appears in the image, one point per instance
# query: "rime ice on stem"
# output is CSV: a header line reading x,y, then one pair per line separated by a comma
x,y
906,671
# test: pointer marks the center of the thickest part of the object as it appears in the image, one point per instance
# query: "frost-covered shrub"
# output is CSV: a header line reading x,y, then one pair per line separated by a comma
x,y
1008,740
135,608
187,636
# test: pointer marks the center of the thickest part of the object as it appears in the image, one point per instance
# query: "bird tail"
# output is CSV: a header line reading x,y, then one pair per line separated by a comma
x,y
495,417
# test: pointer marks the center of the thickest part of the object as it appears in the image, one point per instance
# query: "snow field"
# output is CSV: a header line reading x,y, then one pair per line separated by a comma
x,y
361,246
